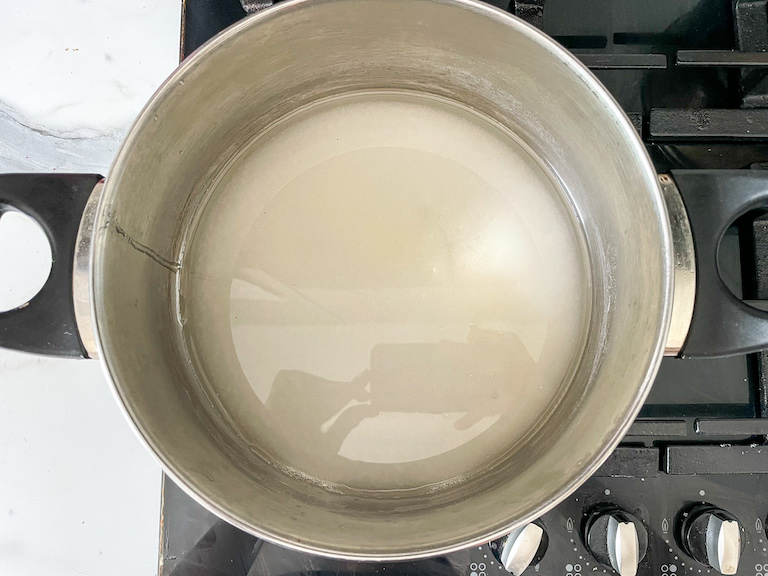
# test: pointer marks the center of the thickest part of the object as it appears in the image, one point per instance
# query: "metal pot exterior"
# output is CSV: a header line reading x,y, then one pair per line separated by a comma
x,y
268,65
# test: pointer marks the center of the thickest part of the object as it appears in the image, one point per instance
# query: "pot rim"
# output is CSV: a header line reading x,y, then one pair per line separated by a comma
x,y
516,25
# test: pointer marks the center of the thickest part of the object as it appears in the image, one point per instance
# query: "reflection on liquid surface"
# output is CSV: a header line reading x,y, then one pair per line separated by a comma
x,y
384,291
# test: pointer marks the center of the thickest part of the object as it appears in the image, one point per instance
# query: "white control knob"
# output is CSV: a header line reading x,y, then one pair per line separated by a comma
x,y
617,540
520,548
623,547
713,537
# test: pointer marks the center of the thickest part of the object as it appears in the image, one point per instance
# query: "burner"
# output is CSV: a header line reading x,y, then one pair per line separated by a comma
x,y
693,77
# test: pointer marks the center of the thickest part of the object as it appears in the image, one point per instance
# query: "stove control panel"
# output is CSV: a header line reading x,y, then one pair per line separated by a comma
x,y
657,525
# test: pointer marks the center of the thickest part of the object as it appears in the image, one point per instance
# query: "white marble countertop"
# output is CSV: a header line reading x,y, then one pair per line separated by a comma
x,y
78,492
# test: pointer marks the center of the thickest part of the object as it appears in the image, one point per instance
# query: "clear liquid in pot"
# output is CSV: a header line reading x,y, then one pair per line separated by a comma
x,y
384,291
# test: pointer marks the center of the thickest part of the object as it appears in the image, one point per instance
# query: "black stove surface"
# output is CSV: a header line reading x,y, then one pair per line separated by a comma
x,y
693,77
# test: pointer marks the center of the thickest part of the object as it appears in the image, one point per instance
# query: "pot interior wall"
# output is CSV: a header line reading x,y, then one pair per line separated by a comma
x,y
292,55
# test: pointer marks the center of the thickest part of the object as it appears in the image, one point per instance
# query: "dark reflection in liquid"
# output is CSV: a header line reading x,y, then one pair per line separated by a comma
x,y
471,381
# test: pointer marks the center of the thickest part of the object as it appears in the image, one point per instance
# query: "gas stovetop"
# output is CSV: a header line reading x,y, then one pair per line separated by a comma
x,y
693,77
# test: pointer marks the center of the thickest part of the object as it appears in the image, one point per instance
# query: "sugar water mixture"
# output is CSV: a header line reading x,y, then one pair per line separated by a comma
x,y
384,291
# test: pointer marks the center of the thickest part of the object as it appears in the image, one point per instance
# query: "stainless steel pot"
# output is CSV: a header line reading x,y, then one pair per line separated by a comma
x,y
124,258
